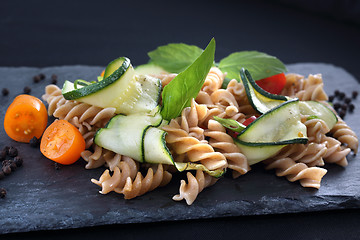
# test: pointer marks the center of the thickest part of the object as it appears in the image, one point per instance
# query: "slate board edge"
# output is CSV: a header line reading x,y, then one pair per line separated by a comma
x,y
229,209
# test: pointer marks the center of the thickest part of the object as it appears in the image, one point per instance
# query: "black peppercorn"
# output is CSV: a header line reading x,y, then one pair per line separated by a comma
x,y
342,113
2,155
5,91
13,152
6,149
341,95
42,76
36,79
337,106
34,142
354,94
18,161
336,92
6,169
54,81
54,77
347,100
6,162
2,192
27,90
13,166
331,98
344,107
351,107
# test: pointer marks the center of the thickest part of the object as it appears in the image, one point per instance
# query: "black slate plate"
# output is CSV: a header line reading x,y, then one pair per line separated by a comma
x,y
39,197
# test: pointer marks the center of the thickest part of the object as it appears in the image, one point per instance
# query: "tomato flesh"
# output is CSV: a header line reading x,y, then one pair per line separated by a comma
x,y
274,84
62,142
25,118
249,120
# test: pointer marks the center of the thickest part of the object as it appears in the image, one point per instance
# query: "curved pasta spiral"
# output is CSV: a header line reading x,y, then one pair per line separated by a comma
x,y
313,89
335,152
132,186
81,113
342,132
213,80
294,83
224,143
179,139
307,176
316,129
311,154
190,190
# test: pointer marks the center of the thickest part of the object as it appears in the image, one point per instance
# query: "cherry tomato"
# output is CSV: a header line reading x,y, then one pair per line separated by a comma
x,y
25,118
249,120
273,84
62,142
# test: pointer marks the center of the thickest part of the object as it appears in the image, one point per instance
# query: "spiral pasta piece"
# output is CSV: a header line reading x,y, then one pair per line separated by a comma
x,y
165,78
307,176
335,152
213,80
311,154
316,129
294,83
190,190
342,132
313,89
122,182
224,143
75,112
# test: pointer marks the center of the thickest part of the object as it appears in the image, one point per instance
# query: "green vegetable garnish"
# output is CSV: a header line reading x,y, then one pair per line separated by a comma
x,y
230,124
259,64
175,57
186,85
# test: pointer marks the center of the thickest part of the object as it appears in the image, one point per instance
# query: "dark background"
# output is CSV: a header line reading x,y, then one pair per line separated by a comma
x,y
52,33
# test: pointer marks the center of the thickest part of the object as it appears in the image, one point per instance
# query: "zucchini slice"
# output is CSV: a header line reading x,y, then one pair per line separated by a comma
x,y
124,134
119,66
261,100
121,88
273,130
318,110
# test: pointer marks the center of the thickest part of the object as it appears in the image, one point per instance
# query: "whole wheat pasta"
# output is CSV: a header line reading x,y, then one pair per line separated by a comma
x,y
345,135
190,190
131,187
213,80
307,176
224,143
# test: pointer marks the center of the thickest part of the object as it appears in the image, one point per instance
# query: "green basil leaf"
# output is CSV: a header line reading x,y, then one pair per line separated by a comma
x,y
260,65
186,85
230,124
175,57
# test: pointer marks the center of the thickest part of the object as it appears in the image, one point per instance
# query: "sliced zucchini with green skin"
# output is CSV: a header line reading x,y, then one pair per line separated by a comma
x,y
124,134
154,147
150,69
129,94
273,130
319,110
259,99
120,67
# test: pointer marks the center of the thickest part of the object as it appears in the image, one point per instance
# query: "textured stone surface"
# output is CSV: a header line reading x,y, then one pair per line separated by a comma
x,y
40,197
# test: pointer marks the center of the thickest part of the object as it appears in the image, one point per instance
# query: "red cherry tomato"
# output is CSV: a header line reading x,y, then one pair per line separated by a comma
x,y
249,120
273,84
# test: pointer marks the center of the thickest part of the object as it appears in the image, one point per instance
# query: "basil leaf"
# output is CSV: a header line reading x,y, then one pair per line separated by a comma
x,y
175,57
260,65
230,124
186,85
